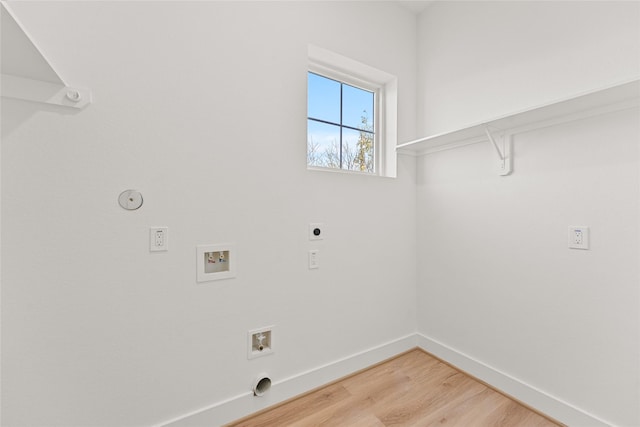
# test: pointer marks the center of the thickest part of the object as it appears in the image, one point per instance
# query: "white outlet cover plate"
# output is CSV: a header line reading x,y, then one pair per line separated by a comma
x,y
578,237
158,239
314,259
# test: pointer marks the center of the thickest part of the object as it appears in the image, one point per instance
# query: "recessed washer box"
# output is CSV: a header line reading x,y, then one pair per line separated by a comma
x,y
215,262
260,342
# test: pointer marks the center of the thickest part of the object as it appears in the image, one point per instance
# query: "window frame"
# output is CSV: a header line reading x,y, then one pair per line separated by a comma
x,y
378,110
338,67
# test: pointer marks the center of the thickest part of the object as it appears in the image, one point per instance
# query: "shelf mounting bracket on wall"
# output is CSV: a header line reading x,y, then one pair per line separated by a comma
x,y
504,153
26,72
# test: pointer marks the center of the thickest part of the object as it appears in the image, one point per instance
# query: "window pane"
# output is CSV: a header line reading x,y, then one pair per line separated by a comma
x,y
323,98
357,150
357,108
323,144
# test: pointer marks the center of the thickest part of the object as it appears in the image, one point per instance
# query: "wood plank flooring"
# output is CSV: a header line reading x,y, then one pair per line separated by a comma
x,y
413,389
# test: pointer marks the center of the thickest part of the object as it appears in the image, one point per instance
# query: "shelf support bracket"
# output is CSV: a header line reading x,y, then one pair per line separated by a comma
x,y
504,153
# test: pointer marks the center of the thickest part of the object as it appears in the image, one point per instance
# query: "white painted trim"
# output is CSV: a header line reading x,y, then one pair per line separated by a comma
x,y
236,407
241,405
348,67
385,85
528,394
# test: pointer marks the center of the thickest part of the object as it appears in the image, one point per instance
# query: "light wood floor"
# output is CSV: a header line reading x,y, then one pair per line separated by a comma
x,y
413,389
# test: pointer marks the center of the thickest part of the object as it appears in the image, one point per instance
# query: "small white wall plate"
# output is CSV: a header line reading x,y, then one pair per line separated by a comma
x,y
316,231
158,239
578,237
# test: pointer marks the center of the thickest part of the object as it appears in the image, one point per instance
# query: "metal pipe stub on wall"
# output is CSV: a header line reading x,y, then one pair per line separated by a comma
x,y
130,200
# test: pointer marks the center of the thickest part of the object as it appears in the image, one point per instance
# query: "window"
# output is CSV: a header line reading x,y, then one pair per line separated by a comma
x,y
352,111
341,131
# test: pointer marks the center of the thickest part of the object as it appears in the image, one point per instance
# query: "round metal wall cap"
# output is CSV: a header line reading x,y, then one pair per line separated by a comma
x,y
130,200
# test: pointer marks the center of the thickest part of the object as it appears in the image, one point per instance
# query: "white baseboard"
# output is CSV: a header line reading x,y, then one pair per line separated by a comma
x,y
527,394
242,405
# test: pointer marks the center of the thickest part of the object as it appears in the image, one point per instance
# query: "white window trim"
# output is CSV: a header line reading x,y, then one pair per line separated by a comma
x,y
385,86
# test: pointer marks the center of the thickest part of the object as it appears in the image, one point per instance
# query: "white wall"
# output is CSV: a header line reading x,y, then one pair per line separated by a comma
x,y
496,280
201,106
482,59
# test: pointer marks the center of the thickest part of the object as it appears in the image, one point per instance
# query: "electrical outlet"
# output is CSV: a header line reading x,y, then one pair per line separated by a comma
x,y
579,237
158,239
